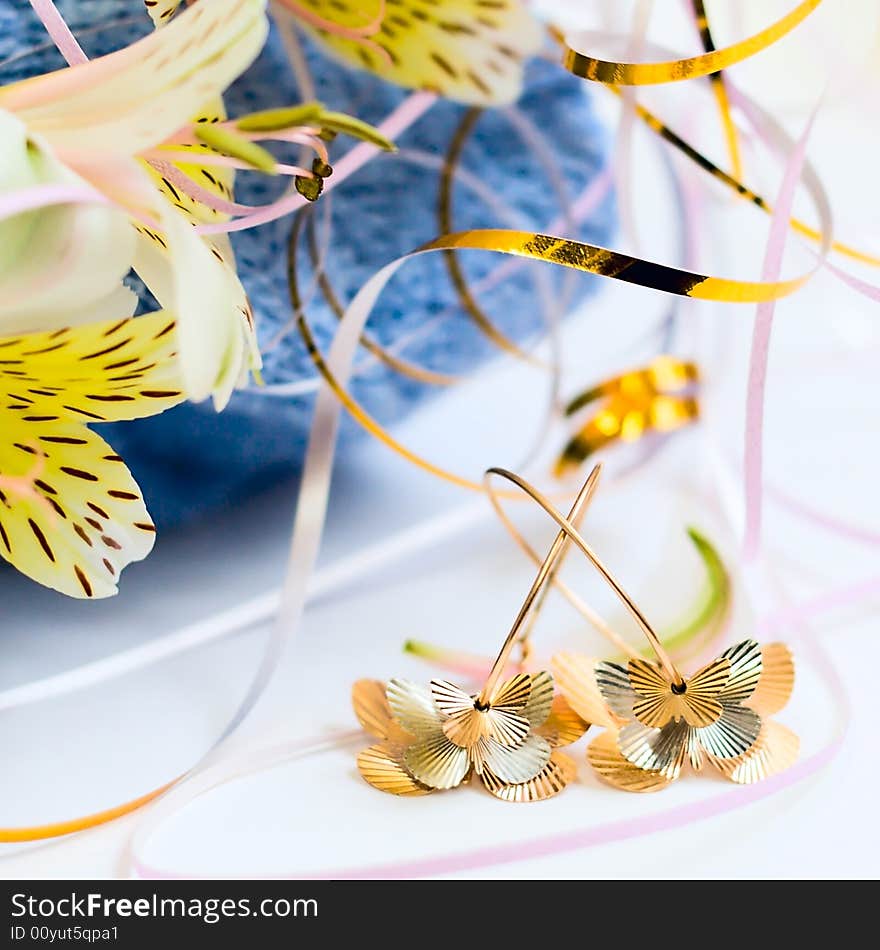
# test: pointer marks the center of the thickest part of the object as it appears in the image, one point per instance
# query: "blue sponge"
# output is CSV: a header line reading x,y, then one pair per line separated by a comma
x,y
190,460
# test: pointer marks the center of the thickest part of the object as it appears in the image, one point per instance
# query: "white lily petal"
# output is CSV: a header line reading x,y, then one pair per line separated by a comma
x,y
190,279
137,97
61,265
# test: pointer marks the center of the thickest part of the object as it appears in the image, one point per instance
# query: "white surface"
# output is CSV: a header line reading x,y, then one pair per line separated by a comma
x,y
90,750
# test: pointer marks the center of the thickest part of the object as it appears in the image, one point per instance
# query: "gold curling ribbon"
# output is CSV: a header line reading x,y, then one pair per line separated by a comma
x,y
719,90
456,275
593,259
647,74
665,132
397,363
656,398
61,828
564,252
733,182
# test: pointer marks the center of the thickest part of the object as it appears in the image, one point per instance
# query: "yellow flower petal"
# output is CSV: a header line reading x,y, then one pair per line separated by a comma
x,y
104,372
83,519
468,50
216,331
161,11
219,180
71,515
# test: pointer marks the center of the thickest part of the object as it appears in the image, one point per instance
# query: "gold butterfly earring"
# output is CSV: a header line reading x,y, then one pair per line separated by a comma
x,y
657,720
438,736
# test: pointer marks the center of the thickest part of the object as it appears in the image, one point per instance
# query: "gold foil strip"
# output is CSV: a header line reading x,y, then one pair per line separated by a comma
x,y
654,398
644,74
456,275
719,90
593,259
565,252
303,220
819,235
397,363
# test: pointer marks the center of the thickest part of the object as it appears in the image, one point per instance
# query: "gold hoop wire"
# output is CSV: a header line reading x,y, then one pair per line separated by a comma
x,y
569,529
546,573
579,604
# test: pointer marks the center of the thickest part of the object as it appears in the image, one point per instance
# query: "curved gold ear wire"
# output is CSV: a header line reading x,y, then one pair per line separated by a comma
x,y
569,529
579,604
508,734
546,572
657,719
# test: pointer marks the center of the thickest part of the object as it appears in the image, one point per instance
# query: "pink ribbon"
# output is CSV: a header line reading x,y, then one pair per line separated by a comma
x,y
410,110
755,397
59,31
830,600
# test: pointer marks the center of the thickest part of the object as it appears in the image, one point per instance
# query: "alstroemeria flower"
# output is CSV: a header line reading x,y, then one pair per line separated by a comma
x,y
656,726
71,515
97,120
435,737
468,50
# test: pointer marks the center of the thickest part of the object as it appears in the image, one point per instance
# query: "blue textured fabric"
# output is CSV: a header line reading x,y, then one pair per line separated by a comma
x,y
190,460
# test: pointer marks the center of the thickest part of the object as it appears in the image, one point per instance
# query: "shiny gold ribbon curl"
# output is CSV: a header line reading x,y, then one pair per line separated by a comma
x,y
660,397
733,181
561,251
615,73
719,90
